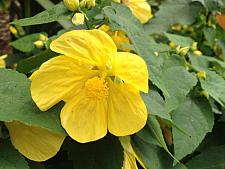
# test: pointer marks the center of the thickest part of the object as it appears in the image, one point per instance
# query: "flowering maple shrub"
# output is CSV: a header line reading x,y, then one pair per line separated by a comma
x,y
122,84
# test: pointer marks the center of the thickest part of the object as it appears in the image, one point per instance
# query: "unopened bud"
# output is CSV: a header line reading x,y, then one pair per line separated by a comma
x,y
201,74
90,3
78,19
39,44
13,30
43,38
71,5
183,51
204,93
176,27
197,53
2,61
156,53
172,45
194,46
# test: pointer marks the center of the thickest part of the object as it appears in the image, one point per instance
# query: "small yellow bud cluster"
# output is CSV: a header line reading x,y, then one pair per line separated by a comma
x,y
40,43
182,51
194,49
201,74
75,5
13,30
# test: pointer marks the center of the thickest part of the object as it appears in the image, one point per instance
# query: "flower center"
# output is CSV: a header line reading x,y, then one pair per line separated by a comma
x,y
96,88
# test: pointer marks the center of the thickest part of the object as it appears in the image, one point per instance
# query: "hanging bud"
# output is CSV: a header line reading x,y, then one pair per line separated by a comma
x,y
39,44
156,53
43,38
201,74
197,53
78,19
2,61
90,3
13,30
183,51
194,46
205,93
71,5
176,27
172,45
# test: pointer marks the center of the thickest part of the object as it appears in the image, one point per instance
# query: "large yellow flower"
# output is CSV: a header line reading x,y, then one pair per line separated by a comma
x,y
35,143
100,86
140,9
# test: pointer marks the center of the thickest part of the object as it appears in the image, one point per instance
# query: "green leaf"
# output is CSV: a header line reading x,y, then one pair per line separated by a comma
x,y
10,158
180,40
155,105
15,90
215,86
32,63
152,156
195,117
174,80
211,158
173,12
106,153
57,13
26,43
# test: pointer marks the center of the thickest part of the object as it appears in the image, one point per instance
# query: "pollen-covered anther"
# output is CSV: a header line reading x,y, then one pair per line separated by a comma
x,y
96,88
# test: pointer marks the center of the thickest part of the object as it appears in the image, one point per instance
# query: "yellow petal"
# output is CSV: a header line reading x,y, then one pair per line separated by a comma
x,y
129,161
85,119
127,112
140,9
91,46
132,69
35,143
57,79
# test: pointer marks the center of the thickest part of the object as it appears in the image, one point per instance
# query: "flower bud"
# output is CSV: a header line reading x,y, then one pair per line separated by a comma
x,y
90,3
78,19
172,45
197,53
71,5
13,30
204,93
156,53
183,51
176,27
2,61
201,74
39,44
43,38
194,46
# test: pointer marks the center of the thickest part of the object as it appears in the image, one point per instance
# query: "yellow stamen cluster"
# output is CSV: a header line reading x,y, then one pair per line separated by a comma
x,y
96,88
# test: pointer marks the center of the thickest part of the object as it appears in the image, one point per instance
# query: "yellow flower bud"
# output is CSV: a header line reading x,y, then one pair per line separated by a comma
x,y
2,61
78,19
176,27
39,44
204,93
183,51
71,5
83,3
201,74
172,45
13,30
197,53
43,38
194,46
156,53
90,3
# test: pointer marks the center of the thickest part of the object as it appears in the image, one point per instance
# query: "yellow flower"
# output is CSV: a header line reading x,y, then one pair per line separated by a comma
x,y
129,154
119,37
35,143
71,5
100,86
140,9
2,61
